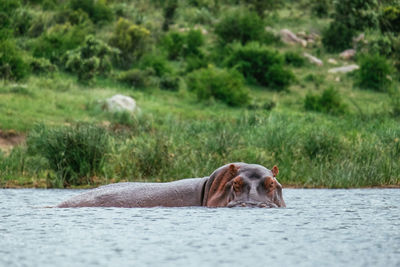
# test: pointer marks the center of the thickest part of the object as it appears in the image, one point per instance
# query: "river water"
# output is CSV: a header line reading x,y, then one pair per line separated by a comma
x,y
359,227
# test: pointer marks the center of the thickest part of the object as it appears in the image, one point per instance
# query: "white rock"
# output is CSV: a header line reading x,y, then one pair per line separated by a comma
x,y
344,69
289,37
332,61
313,59
119,103
348,54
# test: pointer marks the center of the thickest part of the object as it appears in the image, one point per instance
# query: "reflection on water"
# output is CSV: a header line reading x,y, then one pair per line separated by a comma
x,y
319,228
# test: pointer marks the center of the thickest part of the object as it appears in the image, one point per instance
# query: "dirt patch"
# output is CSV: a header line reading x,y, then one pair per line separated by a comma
x,y
9,139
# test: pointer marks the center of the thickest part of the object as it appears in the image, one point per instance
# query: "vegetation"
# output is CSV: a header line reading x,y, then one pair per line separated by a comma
x,y
214,84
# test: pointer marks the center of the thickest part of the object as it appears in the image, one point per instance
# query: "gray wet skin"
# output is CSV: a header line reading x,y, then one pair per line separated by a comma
x,y
232,185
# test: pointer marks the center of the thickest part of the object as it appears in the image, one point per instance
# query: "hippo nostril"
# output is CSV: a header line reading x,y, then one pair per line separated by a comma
x,y
243,205
263,205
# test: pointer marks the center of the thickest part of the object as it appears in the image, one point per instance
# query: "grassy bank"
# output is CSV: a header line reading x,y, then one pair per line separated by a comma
x,y
201,105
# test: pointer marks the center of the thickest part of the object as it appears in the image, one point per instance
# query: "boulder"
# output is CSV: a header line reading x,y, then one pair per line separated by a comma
x,y
313,59
289,37
332,61
119,103
348,54
344,69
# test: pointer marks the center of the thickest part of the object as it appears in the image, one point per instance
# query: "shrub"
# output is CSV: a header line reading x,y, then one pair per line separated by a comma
x,y
389,20
74,17
356,14
131,39
136,77
12,64
157,62
328,102
337,37
41,65
260,64
169,82
183,44
261,5
320,8
57,40
294,58
75,153
96,10
239,25
169,13
373,73
21,21
90,59
222,84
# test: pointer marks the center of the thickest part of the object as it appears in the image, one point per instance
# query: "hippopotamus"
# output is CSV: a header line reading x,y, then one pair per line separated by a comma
x,y
232,185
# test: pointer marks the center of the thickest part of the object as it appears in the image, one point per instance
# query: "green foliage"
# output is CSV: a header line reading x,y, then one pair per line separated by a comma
x,y
170,83
184,44
374,73
136,77
389,20
75,153
320,8
294,58
260,64
92,58
21,21
131,39
96,10
337,37
56,41
356,14
12,64
260,6
169,13
239,25
157,62
321,144
222,84
42,65
328,102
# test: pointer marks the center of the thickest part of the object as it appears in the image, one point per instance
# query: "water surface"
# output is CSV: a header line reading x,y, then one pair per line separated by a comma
x,y
318,228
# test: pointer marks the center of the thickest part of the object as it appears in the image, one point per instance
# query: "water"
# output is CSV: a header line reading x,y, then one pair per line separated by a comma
x,y
319,228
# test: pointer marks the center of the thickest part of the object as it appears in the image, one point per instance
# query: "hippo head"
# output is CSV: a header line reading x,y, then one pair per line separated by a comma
x,y
244,185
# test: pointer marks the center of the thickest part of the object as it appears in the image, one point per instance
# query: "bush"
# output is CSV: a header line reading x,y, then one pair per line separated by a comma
x,y
261,5
169,82
12,64
337,37
222,84
56,41
356,14
260,64
389,20
239,25
21,21
373,73
131,39
92,58
136,77
96,10
295,59
328,102
42,65
157,62
320,8
169,13
183,44
75,153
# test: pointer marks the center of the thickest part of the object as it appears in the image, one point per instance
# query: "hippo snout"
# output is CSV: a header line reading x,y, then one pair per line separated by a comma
x,y
252,204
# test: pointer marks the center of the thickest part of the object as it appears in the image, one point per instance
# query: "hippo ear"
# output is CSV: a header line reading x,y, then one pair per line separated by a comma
x,y
275,170
216,192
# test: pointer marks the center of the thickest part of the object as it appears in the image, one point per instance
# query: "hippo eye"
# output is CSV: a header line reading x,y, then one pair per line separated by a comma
x,y
269,183
237,184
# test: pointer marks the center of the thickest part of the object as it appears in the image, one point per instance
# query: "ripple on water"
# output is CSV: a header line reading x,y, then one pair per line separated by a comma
x,y
319,227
